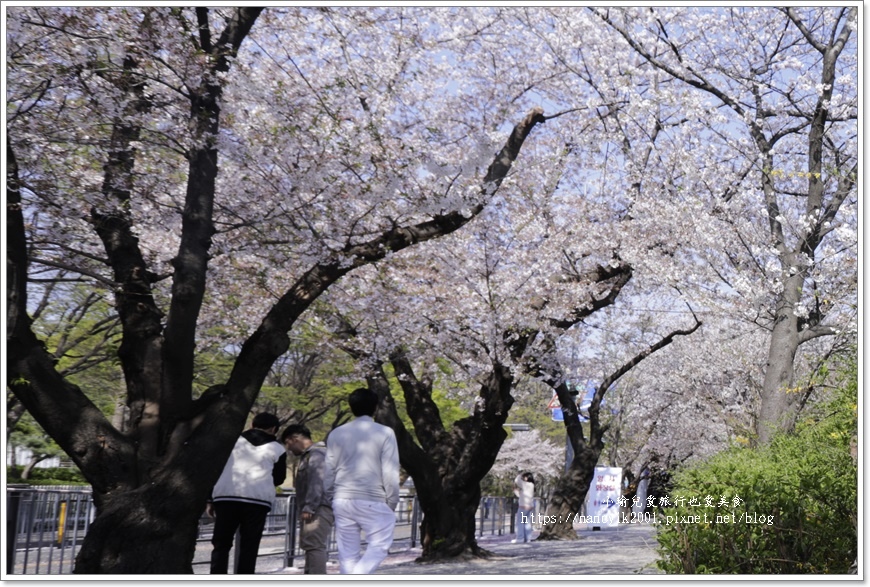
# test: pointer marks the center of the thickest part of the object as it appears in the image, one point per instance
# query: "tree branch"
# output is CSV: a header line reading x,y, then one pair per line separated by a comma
x,y
620,274
74,269
191,261
418,401
31,373
416,461
626,367
134,300
808,35
270,340
699,83
818,331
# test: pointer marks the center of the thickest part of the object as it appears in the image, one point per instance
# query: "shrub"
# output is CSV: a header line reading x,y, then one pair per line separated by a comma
x,y
47,476
790,507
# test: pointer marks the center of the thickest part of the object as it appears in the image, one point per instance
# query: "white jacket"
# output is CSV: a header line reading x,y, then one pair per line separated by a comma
x,y
525,491
256,466
362,462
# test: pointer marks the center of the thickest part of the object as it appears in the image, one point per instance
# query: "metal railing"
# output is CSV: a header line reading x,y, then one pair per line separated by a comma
x,y
45,528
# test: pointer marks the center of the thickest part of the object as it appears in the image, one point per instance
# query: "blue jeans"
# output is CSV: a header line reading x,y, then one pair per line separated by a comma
x,y
524,525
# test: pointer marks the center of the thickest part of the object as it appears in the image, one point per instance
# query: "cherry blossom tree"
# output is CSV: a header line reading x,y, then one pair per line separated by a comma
x,y
525,450
572,487
484,301
673,409
643,124
449,462
216,172
174,157
780,85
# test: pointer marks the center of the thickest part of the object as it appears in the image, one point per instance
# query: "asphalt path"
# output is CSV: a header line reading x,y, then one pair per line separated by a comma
x,y
627,550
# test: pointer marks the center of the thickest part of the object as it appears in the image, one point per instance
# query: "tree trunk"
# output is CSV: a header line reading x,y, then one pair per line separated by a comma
x,y
14,411
448,527
570,494
778,400
28,469
447,466
151,529
148,524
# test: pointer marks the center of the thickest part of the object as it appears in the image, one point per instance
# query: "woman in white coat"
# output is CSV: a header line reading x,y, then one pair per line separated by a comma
x,y
524,489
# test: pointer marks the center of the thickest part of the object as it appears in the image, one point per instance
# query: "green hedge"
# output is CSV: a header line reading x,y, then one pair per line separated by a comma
x,y
796,507
47,476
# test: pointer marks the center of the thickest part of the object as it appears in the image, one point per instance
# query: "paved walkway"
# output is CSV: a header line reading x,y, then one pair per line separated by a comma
x,y
629,549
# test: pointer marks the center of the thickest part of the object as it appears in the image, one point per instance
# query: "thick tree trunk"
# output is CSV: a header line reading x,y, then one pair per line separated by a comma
x,y
448,468
148,525
448,527
151,529
778,400
569,495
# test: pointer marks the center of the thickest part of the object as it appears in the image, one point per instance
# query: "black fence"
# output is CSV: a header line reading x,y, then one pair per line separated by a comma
x,y
45,528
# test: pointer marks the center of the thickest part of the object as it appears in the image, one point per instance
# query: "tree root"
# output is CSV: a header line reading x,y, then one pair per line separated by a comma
x,y
467,555
558,536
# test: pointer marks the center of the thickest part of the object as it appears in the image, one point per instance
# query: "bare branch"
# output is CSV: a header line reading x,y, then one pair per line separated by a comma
x,y
74,269
634,361
270,339
808,35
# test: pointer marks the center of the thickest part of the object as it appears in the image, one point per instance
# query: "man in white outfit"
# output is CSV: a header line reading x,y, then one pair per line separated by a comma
x,y
362,477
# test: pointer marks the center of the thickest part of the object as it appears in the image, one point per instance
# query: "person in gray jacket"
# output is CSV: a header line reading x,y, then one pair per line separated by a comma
x,y
313,509
362,462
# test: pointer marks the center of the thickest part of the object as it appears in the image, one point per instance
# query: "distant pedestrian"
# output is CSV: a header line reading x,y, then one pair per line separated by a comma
x,y
243,495
524,489
313,509
362,460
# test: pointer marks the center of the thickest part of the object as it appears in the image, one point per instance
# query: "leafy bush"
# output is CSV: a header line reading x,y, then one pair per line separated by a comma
x,y
790,507
47,476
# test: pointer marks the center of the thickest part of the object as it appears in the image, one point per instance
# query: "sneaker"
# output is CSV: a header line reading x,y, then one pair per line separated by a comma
x,y
514,541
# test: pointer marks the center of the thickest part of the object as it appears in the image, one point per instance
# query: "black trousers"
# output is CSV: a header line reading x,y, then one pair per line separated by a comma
x,y
250,520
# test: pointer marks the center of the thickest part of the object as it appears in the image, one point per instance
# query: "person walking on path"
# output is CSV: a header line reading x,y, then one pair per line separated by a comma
x,y
313,509
524,489
243,495
362,479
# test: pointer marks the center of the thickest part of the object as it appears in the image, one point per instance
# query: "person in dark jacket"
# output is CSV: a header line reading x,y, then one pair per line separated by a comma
x,y
313,508
244,493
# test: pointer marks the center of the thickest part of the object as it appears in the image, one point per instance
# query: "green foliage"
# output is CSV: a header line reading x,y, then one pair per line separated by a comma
x,y
81,330
27,433
47,476
308,384
790,507
316,407
530,408
449,409
539,418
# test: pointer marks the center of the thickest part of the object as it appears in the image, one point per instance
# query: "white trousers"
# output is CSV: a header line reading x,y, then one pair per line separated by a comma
x,y
376,520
